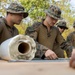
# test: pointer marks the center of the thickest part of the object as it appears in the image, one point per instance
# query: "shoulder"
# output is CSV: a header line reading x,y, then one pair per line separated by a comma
x,y
55,28
2,24
34,26
1,21
71,34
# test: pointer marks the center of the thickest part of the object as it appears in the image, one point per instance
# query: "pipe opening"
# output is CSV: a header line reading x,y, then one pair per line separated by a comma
x,y
23,48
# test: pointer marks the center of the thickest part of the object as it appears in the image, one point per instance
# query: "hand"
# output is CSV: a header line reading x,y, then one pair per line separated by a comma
x,y
50,54
72,60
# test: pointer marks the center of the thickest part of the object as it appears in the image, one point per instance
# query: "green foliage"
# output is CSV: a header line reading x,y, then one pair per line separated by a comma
x,y
35,8
21,28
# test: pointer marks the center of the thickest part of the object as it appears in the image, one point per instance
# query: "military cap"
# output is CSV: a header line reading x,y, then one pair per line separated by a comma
x,y
74,24
16,8
62,24
54,12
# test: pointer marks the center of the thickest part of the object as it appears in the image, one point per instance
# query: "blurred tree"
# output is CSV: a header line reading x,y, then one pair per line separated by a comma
x,y
35,8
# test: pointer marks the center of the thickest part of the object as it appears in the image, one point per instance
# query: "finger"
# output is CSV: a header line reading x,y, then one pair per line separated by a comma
x,y
54,56
72,61
49,57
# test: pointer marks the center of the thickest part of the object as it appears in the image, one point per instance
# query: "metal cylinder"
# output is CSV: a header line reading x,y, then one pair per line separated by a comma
x,y
20,47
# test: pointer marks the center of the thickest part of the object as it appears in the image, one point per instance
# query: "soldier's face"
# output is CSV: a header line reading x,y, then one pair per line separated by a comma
x,y
17,18
51,21
61,30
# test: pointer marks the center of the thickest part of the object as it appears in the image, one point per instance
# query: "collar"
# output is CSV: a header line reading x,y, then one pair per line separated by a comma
x,y
48,32
7,24
46,26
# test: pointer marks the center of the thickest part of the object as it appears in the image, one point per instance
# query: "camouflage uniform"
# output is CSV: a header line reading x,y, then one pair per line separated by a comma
x,y
57,49
17,8
45,40
6,31
71,39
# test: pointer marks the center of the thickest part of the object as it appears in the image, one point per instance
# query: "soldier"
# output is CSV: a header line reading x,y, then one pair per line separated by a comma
x,y
15,14
71,39
71,36
61,25
46,34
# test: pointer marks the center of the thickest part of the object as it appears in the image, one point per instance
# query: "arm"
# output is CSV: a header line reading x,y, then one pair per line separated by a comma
x,y
69,38
64,44
42,51
70,41
40,48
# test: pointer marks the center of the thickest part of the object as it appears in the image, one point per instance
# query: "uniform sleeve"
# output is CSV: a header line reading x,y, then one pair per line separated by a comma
x,y
40,48
63,44
31,32
1,27
69,39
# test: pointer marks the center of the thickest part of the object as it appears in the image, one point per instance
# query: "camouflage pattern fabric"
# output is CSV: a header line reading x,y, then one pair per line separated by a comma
x,y
54,12
40,32
17,8
71,40
31,31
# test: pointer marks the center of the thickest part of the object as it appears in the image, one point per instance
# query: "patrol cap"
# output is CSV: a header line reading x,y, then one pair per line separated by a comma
x,y
74,24
16,8
54,12
62,24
